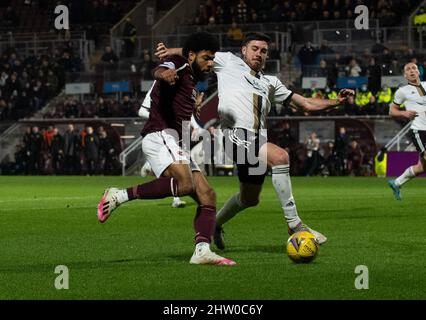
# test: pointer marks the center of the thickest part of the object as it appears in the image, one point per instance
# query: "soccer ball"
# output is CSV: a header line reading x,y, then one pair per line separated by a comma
x,y
302,247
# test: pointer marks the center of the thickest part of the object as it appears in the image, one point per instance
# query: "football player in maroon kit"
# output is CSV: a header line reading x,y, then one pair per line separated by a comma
x,y
174,99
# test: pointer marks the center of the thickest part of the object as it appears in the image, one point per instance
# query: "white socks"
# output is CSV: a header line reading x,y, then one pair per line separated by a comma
x,y
405,177
200,247
229,209
122,196
282,184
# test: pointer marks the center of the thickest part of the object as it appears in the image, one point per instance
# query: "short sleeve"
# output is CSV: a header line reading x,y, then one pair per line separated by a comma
x,y
281,94
399,97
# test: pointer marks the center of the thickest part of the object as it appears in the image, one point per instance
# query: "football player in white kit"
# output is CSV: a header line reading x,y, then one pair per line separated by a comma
x,y
245,98
413,96
146,168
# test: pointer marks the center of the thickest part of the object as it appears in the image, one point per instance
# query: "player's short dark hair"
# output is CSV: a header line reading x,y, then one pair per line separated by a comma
x,y
199,41
253,36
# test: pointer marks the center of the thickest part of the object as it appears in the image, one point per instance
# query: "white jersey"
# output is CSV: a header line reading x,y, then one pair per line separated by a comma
x,y
146,105
414,98
147,101
245,97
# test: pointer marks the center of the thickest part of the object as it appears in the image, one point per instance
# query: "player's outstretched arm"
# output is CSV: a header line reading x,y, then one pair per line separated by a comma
x,y
396,112
162,52
316,104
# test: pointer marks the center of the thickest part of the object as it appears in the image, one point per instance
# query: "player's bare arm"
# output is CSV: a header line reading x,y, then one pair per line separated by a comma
x,y
396,112
168,75
315,104
162,52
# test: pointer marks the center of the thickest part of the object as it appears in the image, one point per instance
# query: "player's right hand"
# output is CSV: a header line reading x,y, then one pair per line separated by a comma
x,y
162,52
170,76
410,114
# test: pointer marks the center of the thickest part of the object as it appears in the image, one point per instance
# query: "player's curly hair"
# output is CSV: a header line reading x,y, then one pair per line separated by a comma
x,y
252,36
200,41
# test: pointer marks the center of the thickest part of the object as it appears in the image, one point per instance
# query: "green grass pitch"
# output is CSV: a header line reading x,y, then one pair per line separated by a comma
x,y
142,251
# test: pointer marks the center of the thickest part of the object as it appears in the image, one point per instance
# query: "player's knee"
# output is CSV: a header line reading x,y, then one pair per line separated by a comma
x,y
249,202
280,157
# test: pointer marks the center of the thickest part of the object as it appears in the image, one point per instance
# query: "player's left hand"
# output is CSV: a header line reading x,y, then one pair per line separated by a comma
x,y
162,52
344,94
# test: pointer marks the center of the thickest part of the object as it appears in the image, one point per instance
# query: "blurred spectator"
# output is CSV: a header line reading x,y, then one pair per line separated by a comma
x,y
127,109
325,48
234,36
71,151
109,58
274,52
350,106
147,66
10,19
242,11
34,150
353,69
371,108
107,154
91,151
323,69
312,145
374,75
103,108
129,34
48,136
286,138
307,55
330,159
341,145
362,98
313,11
57,152
384,98
355,159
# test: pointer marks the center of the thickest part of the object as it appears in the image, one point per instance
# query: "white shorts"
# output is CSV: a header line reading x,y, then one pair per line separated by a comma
x,y
162,149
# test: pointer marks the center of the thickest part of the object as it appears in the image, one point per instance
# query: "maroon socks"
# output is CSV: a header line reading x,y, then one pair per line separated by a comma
x,y
205,219
204,223
156,189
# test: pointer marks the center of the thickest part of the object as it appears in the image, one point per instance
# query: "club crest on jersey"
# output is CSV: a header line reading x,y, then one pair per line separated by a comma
x,y
257,85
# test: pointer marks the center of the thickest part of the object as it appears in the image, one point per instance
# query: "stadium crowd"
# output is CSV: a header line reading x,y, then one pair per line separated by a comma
x,y
28,82
47,151
214,12
342,156
100,108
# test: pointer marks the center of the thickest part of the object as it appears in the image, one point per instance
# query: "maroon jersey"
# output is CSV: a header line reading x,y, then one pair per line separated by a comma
x,y
172,104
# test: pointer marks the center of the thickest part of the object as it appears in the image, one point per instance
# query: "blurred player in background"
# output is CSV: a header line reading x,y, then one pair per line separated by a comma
x,y
173,101
245,98
413,96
